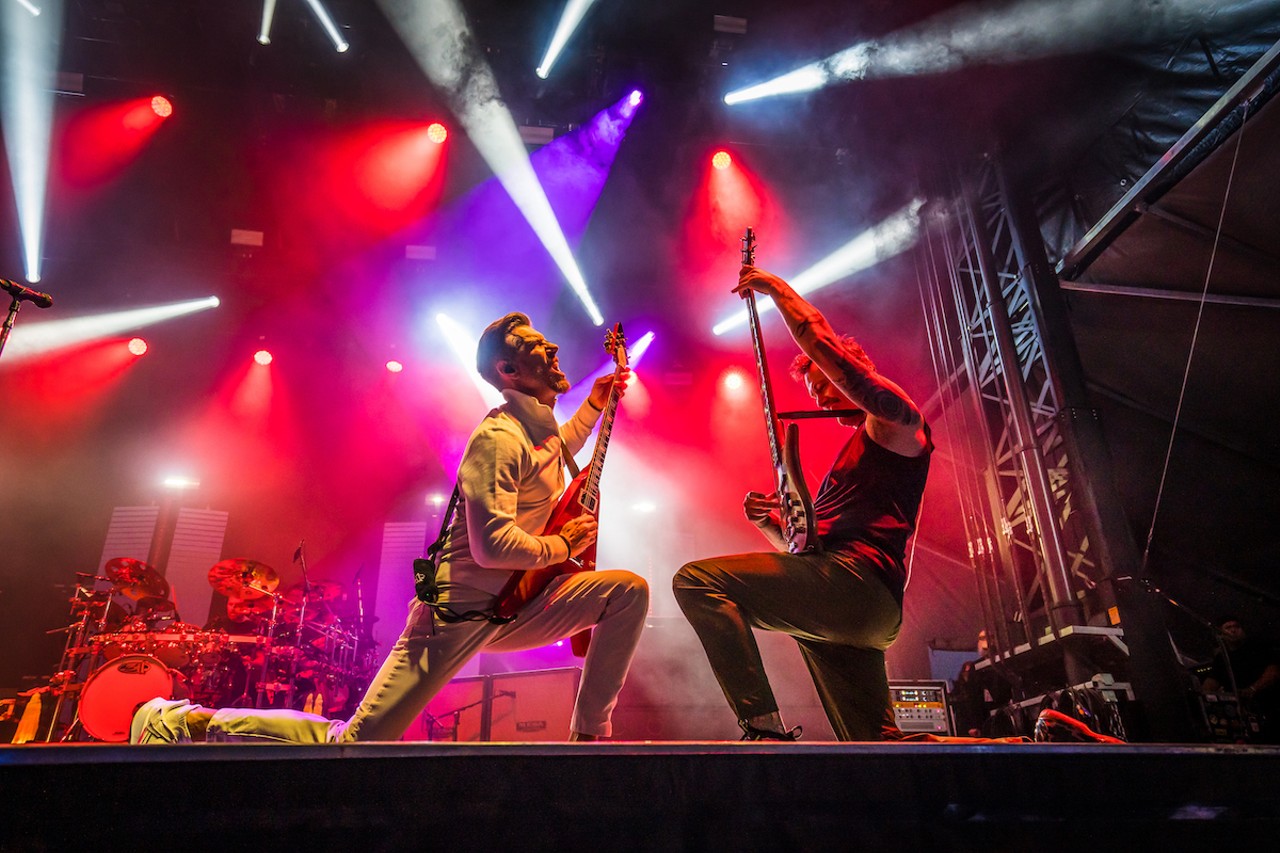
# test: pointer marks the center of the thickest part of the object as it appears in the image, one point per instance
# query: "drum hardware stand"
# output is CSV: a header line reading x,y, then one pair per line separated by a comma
x,y
260,695
77,638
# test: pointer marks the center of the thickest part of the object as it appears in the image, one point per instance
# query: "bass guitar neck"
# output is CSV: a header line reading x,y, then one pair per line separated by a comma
x,y
795,506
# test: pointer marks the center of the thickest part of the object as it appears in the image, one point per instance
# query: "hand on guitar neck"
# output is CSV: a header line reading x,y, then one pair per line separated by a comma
x,y
581,532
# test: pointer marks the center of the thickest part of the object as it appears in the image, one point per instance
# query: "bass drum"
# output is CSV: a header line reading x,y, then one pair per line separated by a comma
x,y
117,688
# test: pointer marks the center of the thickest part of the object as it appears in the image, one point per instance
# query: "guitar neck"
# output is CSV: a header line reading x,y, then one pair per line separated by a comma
x,y
589,497
766,387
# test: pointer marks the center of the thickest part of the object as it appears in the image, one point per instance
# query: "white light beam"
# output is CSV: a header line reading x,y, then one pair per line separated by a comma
x,y
436,34
891,237
573,13
36,339
339,43
268,16
998,32
29,43
463,344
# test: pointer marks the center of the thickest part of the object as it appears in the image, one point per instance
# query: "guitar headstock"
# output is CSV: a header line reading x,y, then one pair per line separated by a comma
x,y
749,247
615,343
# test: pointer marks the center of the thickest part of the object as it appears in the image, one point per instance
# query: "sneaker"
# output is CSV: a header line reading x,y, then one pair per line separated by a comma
x,y
161,721
750,732
1055,727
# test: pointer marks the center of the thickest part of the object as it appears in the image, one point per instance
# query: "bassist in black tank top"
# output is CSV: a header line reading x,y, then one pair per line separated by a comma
x,y
843,601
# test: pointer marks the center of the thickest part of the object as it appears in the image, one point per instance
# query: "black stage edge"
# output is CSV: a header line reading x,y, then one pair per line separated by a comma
x,y
638,796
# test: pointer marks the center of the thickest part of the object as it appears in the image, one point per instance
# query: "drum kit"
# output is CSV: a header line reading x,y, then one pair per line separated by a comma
x,y
273,649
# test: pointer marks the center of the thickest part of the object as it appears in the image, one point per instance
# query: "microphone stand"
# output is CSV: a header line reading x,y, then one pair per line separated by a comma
x,y
7,327
1208,625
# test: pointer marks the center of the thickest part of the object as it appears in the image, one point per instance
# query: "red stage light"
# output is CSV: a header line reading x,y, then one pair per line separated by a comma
x,y
721,160
161,106
262,357
437,132
733,381
394,366
138,346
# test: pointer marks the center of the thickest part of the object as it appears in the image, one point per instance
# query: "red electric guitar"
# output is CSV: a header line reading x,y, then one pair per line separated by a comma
x,y
582,496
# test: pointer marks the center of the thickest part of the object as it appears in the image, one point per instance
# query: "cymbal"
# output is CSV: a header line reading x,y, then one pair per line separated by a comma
x,y
320,591
241,578
135,579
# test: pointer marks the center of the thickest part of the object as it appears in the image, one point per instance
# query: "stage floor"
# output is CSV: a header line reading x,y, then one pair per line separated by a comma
x,y
638,796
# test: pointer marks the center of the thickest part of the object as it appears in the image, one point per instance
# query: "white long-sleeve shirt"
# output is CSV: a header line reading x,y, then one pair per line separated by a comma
x,y
511,477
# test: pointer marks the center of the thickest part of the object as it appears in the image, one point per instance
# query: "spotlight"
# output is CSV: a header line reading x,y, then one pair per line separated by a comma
x,y
268,15
262,357
322,15
138,346
636,97
394,366
574,10
721,160
733,381
161,106
179,482
437,132
30,7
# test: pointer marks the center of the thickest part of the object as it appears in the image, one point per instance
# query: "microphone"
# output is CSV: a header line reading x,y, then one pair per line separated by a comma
x,y
22,293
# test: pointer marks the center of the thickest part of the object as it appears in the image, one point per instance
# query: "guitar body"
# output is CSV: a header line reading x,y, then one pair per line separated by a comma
x,y
795,504
523,587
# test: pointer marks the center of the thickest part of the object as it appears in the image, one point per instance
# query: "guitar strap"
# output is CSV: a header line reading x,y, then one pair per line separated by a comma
x,y
425,568
574,471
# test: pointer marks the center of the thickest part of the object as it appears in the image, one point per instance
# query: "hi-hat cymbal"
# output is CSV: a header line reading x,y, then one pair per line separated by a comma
x,y
135,579
241,578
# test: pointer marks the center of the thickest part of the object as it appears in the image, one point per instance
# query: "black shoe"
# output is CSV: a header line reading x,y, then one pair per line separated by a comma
x,y
1055,727
750,732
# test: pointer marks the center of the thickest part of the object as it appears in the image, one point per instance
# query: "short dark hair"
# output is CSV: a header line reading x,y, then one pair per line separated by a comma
x,y
853,349
497,343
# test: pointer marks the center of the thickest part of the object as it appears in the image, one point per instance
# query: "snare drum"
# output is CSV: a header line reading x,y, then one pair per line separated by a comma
x,y
116,689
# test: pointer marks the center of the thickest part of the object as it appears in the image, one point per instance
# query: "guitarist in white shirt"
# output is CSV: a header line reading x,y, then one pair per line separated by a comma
x,y
841,599
510,479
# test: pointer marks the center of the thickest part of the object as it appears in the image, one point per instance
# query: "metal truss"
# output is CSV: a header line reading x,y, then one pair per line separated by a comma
x,y
1028,543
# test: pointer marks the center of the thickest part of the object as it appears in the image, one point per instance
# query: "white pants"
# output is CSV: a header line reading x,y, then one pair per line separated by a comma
x,y
430,652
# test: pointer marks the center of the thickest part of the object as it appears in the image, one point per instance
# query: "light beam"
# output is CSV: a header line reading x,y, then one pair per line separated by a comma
x,y
999,33
891,237
436,34
574,10
30,43
35,339
463,344
322,15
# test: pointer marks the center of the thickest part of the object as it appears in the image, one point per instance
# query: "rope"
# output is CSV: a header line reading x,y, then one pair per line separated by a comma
x,y
1195,335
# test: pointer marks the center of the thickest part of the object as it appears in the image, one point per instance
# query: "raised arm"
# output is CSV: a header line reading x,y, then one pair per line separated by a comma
x,y
893,420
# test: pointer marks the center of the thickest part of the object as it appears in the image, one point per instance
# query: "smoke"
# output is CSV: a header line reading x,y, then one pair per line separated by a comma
x,y
1034,29
996,33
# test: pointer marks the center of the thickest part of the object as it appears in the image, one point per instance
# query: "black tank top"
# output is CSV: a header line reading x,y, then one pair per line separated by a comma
x,y
868,503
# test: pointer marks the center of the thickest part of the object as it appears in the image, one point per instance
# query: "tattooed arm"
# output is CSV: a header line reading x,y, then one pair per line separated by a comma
x,y
893,421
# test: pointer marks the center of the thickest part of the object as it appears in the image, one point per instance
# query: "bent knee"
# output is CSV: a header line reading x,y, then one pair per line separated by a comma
x,y
628,582
691,576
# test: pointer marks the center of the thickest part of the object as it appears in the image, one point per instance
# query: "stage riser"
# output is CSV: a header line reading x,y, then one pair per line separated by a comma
x,y
638,797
